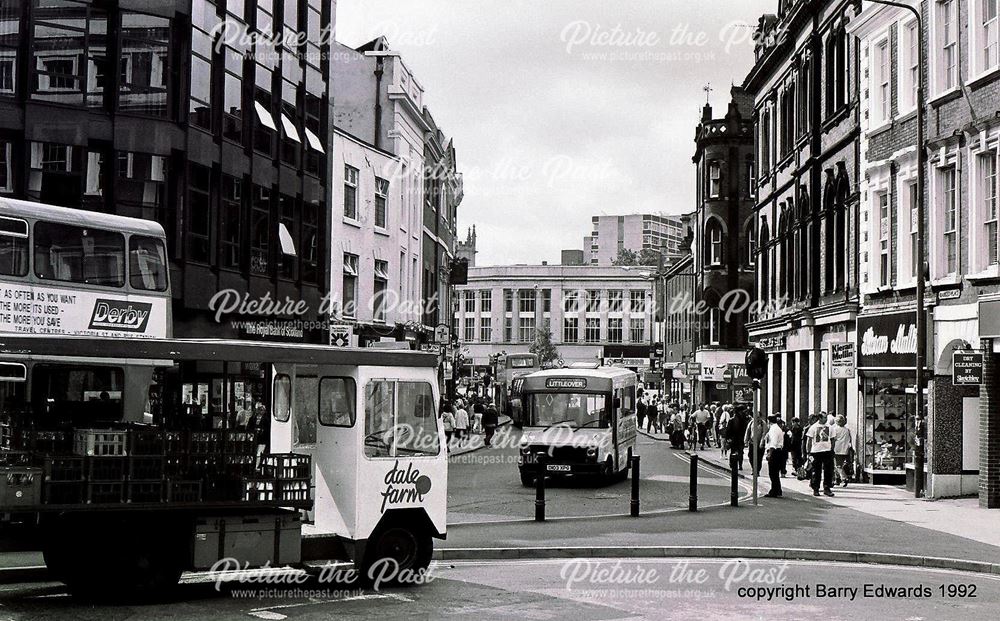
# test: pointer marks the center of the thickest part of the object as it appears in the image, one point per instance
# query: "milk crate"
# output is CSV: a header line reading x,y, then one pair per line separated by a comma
x,y
105,492
20,486
222,490
175,442
63,492
146,441
202,466
106,468
259,490
145,467
292,490
48,442
239,466
100,442
14,458
204,443
285,466
63,468
184,491
175,466
238,442
144,491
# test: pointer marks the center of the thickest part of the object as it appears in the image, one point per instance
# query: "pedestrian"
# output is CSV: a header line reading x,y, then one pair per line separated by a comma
x,y
640,412
677,430
786,441
478,410
734,438
843,445
724,414
795,449
448,420
774,445
701,418
651,414
757,429
461,424
491,420
819,447
663,415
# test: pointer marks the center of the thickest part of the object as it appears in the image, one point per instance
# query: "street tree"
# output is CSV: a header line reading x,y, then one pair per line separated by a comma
x,y
543,347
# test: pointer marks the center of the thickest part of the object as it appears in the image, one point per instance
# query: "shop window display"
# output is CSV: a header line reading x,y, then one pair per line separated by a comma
x,y
890,407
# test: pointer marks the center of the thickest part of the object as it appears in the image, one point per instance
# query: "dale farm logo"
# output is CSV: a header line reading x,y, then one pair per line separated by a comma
x,y
120,316
404,486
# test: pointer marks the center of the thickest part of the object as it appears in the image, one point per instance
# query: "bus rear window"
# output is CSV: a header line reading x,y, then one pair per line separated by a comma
x,y
78,254
522,363
147,263
13,247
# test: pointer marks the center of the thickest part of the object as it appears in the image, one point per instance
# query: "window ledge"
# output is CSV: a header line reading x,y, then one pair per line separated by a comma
x,y
983,77
905,115
381,231
990,273
882,126
944,96
947,281
352,222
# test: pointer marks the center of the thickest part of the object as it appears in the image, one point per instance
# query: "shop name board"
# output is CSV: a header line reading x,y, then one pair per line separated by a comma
x,y
842,365
742,394
560,383
967,368
769,343
737,374
887,341
692,369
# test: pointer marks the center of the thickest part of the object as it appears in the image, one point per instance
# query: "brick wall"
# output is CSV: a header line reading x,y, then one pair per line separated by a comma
x,y
989,430
944,433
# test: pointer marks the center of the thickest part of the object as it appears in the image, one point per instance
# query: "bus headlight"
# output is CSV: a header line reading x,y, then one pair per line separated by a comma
x,y
592,453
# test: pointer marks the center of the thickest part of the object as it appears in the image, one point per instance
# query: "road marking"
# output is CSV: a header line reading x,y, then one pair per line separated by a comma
x,y
267,612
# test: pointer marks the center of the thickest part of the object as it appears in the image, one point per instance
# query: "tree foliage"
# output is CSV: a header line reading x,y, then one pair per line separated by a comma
x,y
645,257
543,347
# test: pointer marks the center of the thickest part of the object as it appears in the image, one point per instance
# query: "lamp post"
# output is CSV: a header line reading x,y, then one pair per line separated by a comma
x,y
918,440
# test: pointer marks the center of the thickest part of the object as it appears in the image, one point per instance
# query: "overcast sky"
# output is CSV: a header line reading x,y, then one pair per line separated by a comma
x,y
564,109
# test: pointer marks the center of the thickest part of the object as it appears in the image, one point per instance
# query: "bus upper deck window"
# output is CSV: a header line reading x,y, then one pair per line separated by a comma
x,y
77,254
147,263
13,247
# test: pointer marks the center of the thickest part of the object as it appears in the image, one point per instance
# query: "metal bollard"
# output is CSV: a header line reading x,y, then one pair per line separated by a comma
x,y
693,498
635,486
540,491
734,486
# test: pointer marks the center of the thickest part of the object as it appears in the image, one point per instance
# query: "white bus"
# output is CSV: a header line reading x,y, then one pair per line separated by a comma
x,y
75,272
578,421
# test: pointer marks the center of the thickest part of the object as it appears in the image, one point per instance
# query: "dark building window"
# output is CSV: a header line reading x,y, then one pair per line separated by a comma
x,y
264,126
381,199
260,231
141,190
145,64
6,167
286,236
199,213
56,173
204,20
232,117
232,222
309,247
10,26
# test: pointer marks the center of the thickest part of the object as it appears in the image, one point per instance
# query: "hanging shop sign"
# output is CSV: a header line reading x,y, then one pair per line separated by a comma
x,y
967,368
842,363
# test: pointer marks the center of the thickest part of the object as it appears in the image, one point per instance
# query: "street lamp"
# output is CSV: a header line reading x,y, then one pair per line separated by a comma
x,y
918,441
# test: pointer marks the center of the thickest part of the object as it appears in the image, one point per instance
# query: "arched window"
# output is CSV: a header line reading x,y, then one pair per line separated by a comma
x,y
751,237
715,247
840,232
805,257
712,330
829,260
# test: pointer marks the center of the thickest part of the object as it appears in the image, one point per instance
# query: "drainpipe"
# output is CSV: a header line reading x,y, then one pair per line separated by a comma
x,y
379,71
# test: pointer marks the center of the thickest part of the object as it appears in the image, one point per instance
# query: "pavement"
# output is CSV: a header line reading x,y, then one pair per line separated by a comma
x,y
962,517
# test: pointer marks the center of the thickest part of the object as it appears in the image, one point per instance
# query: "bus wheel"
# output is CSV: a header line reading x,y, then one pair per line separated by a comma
x,y
398,556
527,479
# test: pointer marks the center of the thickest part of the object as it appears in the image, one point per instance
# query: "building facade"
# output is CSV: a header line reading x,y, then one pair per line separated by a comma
x,y
382,104
610,235
131,108
962,263
804,83
724,248
594,313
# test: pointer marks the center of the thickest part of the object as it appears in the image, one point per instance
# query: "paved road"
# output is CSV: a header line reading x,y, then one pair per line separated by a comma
x,y
573,589
484,486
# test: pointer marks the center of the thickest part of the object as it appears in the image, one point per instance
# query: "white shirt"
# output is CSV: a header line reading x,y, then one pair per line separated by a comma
x,y
842,440
461,419
775,438
821,438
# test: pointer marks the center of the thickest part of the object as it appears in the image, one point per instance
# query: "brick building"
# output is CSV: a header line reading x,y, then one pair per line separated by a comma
x,y
804,83
962,133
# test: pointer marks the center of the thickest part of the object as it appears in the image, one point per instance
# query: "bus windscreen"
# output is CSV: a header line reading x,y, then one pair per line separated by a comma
x,y
571,409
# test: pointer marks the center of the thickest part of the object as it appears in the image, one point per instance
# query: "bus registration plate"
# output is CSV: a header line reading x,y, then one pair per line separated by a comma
x,y
557,467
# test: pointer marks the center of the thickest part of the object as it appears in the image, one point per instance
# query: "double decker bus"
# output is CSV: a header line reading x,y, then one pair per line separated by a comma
x,y
342,457
578,422
75,272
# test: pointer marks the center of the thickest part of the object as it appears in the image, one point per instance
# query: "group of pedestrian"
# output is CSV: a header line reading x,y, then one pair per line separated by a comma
x,y
692,427
471,415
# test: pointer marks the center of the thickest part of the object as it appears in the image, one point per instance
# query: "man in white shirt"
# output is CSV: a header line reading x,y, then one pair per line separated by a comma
x,y
461,424
701,418
774,443
819,447
842,445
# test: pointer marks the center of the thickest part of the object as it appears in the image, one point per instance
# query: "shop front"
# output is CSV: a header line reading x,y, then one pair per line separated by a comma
x,y
886,358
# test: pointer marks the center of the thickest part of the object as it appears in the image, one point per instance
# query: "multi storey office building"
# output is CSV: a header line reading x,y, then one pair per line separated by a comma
x,y
142,109
636,232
